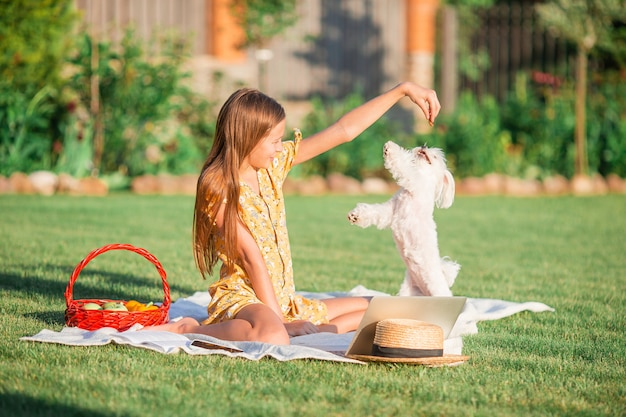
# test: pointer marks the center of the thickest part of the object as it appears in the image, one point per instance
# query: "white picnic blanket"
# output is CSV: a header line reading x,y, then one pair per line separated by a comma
x,y
321,346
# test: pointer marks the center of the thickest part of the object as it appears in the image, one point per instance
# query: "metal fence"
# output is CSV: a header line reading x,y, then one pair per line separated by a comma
x,y
511,35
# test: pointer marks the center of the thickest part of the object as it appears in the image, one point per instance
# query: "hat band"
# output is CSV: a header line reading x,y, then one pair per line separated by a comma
x,y
391,352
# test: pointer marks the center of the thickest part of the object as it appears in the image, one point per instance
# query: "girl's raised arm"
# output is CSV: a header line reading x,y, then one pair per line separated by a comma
x,y
357,120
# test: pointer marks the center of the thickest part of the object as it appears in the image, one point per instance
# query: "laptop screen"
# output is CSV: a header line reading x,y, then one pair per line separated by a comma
x,y
441,311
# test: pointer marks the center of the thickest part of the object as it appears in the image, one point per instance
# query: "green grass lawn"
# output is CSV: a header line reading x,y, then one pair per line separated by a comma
x,y
566,252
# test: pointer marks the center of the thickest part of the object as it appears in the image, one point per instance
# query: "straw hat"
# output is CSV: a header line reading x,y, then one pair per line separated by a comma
x,y
409,341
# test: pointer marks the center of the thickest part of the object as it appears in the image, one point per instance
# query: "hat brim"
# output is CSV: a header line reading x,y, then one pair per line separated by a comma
x,y
445,360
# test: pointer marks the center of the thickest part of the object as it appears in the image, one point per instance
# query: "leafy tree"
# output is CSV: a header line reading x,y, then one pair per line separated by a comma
x,y
261,21
33,43
589,24
142,105
264,19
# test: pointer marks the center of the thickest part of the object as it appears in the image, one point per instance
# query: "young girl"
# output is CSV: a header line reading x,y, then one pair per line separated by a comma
x,y
239,219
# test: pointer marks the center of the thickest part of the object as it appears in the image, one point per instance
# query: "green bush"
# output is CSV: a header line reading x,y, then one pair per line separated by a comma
x,y
34,37
74,154
541,121
25,130
147,120
606,130
531,134
140,103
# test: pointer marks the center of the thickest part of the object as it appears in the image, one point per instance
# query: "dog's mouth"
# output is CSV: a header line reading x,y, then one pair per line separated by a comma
x,y
421,153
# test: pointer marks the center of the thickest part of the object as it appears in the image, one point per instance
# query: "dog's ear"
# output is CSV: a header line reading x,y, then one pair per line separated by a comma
x,y
445,198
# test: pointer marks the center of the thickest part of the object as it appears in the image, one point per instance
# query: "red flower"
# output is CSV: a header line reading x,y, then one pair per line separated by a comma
x,y
71,106
57,147
546,79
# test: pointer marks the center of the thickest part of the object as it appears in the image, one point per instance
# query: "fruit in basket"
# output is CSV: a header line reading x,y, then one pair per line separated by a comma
x,y
150,306
114,306
134,305
92,306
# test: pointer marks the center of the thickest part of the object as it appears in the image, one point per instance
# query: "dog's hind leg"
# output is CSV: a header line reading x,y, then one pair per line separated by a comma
x,y
426,273
450,270
408,289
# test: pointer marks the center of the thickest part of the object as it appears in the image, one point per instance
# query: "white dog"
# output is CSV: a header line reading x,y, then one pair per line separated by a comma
x,y
425,183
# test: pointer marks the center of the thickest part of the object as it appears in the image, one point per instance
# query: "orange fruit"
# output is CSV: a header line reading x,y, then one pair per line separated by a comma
x,y
134,305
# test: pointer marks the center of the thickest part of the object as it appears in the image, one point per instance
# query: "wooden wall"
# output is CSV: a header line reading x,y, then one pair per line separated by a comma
x,y
341,45
110,18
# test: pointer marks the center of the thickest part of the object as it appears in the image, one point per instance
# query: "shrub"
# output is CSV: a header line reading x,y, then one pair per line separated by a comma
x,y
34,38
141,100
25,130
606,127
33,41
541,121
532,133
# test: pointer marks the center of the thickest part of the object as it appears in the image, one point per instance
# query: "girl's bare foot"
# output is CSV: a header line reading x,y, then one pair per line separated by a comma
x,y
184,325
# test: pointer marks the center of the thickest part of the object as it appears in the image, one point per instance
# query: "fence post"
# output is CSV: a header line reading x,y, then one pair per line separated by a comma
x,y
421,18
227,35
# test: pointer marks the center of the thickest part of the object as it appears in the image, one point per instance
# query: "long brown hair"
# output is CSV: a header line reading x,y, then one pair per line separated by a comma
x,y
245,118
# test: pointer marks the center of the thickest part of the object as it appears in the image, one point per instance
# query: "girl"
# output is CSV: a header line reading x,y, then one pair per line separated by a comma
x,y
239,219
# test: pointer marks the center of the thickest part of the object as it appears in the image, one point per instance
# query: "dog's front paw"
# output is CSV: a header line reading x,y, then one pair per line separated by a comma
x,y
357,216
365,215
353,216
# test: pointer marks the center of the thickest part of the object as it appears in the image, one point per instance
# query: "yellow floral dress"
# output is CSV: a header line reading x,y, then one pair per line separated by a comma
x,y
264,215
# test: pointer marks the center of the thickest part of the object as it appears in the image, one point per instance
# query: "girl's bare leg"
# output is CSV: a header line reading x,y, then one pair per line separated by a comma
x,y
344,314
255,322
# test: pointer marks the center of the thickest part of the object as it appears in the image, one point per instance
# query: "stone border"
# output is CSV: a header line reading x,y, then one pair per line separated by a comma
x,y
48,183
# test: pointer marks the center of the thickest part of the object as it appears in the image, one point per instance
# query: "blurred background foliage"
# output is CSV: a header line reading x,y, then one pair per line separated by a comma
x,y
152,122
33,46
149,121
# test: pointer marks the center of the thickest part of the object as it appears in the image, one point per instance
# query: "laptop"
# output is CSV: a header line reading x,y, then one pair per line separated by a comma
x,y
441,311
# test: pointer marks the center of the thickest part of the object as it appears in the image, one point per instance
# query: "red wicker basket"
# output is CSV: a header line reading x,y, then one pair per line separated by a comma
x,y
77,316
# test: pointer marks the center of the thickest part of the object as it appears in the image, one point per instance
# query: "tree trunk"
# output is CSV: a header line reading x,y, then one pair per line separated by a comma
x,y
449,60
580,139
96,111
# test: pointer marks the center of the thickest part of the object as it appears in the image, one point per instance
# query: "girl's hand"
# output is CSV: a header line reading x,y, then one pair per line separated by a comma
x,y
300,327
425,98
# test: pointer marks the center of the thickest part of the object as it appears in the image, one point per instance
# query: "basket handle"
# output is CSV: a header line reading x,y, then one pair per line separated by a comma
x,y
119,246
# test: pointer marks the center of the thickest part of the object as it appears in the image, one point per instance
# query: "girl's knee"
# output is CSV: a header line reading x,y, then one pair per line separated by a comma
x,y
186,325
264,325
270,333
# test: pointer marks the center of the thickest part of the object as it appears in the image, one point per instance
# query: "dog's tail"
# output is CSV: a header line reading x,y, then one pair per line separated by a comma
x,y
450,269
